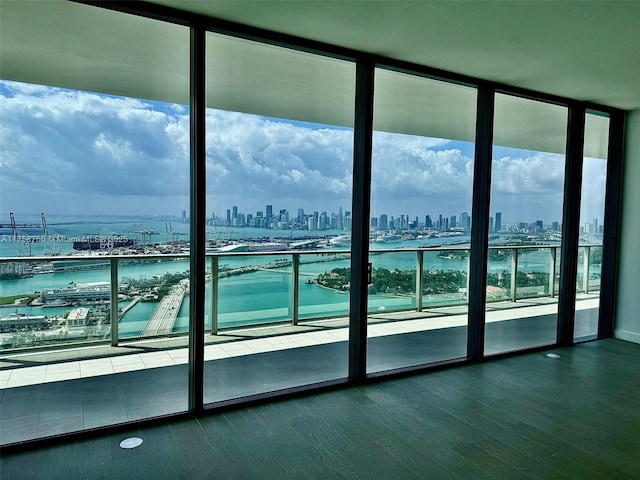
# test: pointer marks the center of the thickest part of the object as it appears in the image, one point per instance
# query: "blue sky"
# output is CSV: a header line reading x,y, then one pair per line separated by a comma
x,y
65,151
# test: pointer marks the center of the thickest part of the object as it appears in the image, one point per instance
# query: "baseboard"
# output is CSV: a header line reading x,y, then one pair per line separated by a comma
x,y
627,335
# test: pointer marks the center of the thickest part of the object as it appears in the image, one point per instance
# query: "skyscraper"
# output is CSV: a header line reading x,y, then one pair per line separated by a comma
x,y
383,222
498,221
269,215
465,221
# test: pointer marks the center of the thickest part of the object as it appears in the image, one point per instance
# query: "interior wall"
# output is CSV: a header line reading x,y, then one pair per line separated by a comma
x,y
627,321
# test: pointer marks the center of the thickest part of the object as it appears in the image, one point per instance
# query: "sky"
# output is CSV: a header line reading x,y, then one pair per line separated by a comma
x,y
71,152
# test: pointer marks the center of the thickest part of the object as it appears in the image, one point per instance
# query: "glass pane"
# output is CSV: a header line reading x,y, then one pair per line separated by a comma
x,y
279,163
527,182
594,174
422,174
95,168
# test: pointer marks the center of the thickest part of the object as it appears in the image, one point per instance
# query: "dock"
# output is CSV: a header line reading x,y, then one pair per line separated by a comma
x,y
164,316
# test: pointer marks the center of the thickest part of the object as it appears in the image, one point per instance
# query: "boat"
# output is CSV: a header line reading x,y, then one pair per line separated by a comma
x,y
100,243
56,303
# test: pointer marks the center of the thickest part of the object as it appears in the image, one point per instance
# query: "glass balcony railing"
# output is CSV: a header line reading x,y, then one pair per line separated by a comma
x,y
52,301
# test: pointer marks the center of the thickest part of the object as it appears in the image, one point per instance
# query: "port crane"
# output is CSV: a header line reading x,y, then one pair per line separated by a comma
x,y
143,232
51,238
21,240
174,235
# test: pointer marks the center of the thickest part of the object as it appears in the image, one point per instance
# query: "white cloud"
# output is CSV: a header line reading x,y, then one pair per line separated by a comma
x,y
67,149
541,173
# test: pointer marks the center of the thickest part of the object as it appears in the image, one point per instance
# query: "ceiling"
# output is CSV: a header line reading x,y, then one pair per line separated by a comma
x,y
584,50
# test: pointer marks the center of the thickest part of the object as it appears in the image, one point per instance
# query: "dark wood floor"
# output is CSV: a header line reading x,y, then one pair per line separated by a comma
x,y
527,416
54,408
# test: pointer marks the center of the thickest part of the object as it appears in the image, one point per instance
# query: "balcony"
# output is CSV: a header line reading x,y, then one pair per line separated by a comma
x,y
272,323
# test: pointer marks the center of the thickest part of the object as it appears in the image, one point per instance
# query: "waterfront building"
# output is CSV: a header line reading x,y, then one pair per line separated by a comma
x,y
14,322
78,317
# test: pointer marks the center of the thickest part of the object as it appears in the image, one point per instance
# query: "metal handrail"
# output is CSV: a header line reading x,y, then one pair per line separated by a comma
x,y
114,261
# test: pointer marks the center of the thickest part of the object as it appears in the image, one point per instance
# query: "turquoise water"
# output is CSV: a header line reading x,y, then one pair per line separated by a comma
x,y
257,297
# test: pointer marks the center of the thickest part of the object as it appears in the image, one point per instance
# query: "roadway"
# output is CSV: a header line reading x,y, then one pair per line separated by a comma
x,y
164,316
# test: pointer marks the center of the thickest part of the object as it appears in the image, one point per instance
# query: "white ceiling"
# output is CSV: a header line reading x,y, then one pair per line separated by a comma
x,y
585,50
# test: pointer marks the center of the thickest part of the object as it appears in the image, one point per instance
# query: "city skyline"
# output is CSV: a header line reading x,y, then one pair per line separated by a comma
x,y
67,151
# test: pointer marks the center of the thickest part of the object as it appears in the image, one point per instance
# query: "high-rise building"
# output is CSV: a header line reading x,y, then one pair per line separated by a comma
x,y
234,213
269,215
384,225
465,221
228,216
498,221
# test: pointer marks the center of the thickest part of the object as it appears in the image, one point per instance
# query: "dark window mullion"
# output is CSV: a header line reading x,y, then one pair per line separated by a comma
x,y
480,221
198,219
571,224
611,225
361,206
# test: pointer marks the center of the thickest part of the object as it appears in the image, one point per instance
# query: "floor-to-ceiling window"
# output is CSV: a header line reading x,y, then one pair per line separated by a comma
x,y
594,174
279,168
93,179
527,183
421,184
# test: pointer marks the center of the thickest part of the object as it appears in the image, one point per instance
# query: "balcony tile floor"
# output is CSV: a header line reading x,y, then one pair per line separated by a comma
x,y
51,398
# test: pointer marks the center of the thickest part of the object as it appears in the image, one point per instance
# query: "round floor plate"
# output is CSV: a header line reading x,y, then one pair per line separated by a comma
x,y
132,442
